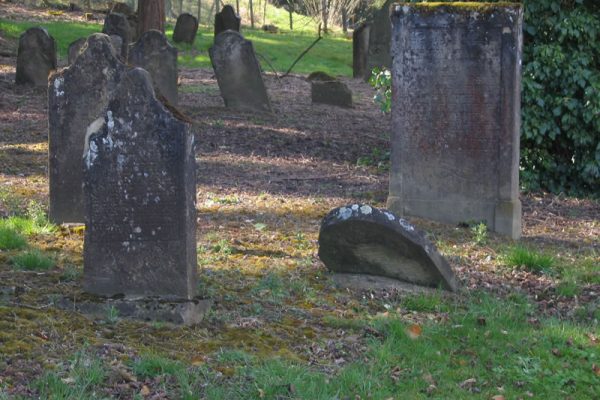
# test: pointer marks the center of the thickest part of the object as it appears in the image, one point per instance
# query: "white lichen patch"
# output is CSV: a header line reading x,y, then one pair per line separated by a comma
x,y
111,122
58,82
137,229
90,150
344,213
406,225
366,210
354,207
389,215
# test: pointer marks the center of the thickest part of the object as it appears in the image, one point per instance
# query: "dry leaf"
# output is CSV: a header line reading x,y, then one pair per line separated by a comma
x,y
596,369
145,391
414,331
468,383
498,397
261,393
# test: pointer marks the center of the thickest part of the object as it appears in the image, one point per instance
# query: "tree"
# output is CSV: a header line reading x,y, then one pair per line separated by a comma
x,y
151,15
329,11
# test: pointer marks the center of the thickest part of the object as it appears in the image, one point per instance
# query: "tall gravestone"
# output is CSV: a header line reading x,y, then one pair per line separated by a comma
x,y
139,190
227,20
456,79
185,29
117,24
155,54
360,48
380,35
238,73
74,49
36,57
77,95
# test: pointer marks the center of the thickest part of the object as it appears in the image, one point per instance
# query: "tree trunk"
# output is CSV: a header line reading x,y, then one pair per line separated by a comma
x,y
291,19
237,7
345,19
151,15
324,14
199,12
251,15
180,8
265,12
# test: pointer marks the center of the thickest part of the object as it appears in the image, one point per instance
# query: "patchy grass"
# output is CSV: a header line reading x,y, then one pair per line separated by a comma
x,y
33,260
531,260
10,239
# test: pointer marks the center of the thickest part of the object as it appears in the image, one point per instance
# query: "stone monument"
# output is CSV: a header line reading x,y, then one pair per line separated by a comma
x,y
227,20
185,29
155,54
139,195
326,89
360,49
117,24
456,77
238,73
77,96
380,35
36,57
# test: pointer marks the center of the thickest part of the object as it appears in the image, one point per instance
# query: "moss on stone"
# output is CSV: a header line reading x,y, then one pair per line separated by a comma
x,y
460,6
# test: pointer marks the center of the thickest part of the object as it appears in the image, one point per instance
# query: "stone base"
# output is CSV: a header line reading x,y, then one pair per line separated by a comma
x,y
374,282
175,311
507,218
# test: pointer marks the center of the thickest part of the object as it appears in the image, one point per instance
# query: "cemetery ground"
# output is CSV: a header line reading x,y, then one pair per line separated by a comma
x,y
524,323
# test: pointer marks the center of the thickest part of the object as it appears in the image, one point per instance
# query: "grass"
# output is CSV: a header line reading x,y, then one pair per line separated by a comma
x,y
150,366
10,239
531,260
33,260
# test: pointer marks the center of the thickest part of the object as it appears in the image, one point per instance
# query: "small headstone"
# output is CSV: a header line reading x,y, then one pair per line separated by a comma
x,y
380,37
155,54
139,195
185,29
327,89
270,28
77,96
117,24
74,49
360,239
36,57
456,79
360,49
122,8
227,20
238,73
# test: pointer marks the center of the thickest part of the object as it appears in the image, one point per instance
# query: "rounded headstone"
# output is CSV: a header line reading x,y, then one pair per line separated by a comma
x,y
227,20
117,24
75,48
185,29
326,89
360,239
36,57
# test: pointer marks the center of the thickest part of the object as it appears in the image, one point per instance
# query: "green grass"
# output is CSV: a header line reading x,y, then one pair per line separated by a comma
x,y
33,260
10,239
150,366
531,260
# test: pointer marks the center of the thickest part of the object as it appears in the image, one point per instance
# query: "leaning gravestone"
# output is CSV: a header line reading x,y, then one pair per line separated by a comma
x,y
227,20
380,36
74,49
36,57
238,73
117,24
185,29
77,95
360,239
139,195
155,54
456,76
360,49
327,89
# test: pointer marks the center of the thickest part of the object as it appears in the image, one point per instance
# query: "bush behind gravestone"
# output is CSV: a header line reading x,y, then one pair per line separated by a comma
x,y
560,130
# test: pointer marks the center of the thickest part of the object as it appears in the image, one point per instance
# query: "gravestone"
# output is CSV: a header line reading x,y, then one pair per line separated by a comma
x,y
327,89
155,54
360,239
36,57
77,95
456,79
139,195
185,29
360,48
117,24
74,49
227,20
380,35
238,73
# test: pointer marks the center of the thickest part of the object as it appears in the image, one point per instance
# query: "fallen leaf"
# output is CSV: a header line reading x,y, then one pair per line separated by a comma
x,y
414,331
145,391
468,383
556,352
498,397
395,374
430,389
261,393
481,321
596,369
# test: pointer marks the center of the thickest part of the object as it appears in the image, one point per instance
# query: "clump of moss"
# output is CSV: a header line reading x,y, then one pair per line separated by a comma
x,y
465,6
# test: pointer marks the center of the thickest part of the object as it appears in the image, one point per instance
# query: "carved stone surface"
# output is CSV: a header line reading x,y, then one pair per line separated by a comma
x,y
327,89
238,73
77,96
36,57
227,20
139,197
380,35
360,239
456,114
185,29
155,54
117,24
360,49
74,49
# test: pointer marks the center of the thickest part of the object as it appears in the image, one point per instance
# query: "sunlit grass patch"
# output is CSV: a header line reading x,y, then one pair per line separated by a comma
x,y
33,260
10,239
152,365
531,260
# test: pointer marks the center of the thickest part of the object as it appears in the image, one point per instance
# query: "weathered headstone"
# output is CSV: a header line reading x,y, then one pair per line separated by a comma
x,y
77,96
360,49
185,29
36,57
122,8
456,79
380,35
155,54
327,89
139,195
360,239
238,73
227,20
117,24
74,49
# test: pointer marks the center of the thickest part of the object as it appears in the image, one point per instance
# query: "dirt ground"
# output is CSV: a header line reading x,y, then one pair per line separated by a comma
x,y
264,183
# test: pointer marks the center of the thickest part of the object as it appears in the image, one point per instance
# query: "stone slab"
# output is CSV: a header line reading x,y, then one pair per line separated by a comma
x,y
36,57
185,29
380,35
360,50
117,24
456,79
227,19
326,89
139,196
360,239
